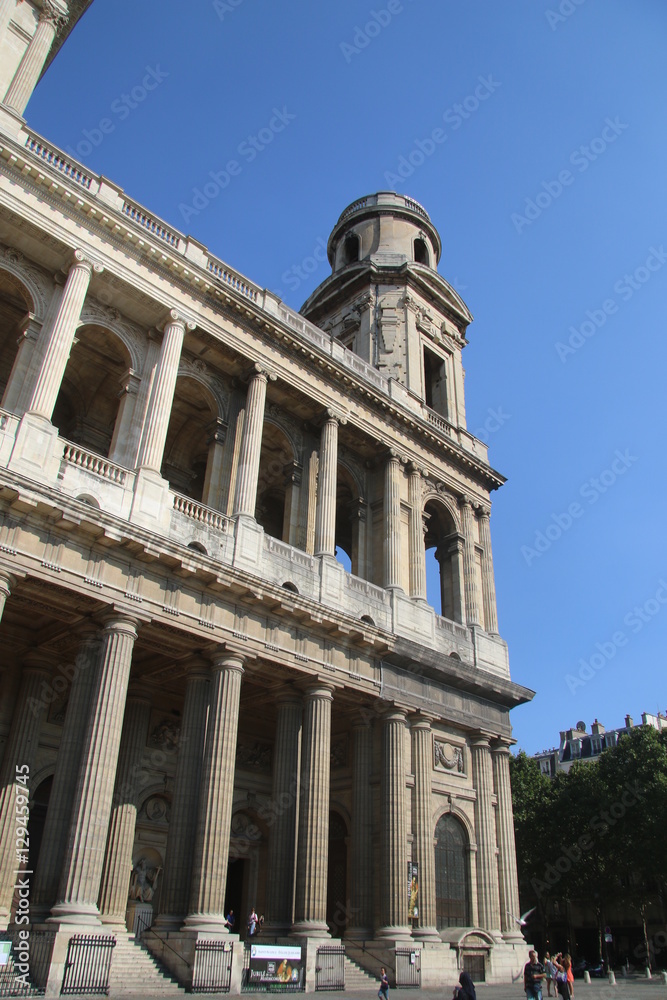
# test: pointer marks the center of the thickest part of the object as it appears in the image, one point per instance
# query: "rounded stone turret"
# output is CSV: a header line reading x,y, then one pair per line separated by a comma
x,y
386,228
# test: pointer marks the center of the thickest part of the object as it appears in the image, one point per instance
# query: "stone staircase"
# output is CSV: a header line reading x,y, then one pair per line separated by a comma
x,y
357,979
134,971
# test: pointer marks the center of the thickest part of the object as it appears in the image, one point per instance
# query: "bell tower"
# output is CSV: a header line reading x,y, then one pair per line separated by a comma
x,y
386,302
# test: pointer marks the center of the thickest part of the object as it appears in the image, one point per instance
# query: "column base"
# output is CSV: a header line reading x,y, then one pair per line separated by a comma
x,y
10,122
151,506
75,914
168,922
309,929
359,933
37,450
426,934
209,923
398,932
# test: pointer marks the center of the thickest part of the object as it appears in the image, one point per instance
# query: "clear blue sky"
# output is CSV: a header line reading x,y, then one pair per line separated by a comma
x,y
583,93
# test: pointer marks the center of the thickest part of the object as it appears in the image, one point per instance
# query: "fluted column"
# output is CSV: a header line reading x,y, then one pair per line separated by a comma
x,y
394,831
31,65
488,583
175,892
509,882
247,475
56,827
20,753
422,765
284,798
392,522
211,849
361,853
154,435
84,858
7,584
120,840
325,515
61,335
313,848
469,564
417,547
485,829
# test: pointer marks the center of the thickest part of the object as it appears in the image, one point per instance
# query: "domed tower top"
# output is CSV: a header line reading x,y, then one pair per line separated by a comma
x,y
386,228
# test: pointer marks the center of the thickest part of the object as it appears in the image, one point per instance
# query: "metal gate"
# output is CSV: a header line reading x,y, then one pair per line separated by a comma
x,y
475,966
212,972
24,962
408,968
88,964
330,967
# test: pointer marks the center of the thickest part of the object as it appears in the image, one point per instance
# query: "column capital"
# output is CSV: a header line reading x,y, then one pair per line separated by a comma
x,y
39,661
501,746
176,318
391,455
333,415
82,261
483,513
224,658
54,10
7,582
394,713
418,471
118,621
259,371
421,721
318,690
481,741
465,501
290,696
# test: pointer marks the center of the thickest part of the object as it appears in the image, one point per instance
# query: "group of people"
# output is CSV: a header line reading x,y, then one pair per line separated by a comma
x,y
253,926
556,971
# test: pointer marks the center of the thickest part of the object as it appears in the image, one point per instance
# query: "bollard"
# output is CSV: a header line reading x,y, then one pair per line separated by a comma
x,y
587,977
647,972
625,972
612,978
663,977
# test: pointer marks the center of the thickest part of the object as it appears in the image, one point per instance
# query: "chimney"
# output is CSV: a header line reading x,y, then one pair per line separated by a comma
x,y
628,722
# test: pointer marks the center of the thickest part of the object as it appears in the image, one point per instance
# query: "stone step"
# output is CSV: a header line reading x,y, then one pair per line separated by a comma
x,y
356,978
134,970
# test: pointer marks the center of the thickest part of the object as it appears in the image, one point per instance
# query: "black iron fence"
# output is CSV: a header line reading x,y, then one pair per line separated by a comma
x,y
212,971
408,968
24,962
142,921
88,963
330,967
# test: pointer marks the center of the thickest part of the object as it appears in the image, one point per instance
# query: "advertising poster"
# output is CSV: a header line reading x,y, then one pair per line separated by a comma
x,y
272,964
413,890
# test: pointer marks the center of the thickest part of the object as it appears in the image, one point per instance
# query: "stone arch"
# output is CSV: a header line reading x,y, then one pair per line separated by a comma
x,y
38,286
17,303
190,448
209,383
443,548
453,872
350,511
276,481
95,314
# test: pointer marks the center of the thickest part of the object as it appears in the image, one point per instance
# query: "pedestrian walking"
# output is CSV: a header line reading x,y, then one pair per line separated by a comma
x,y
383,992
533,974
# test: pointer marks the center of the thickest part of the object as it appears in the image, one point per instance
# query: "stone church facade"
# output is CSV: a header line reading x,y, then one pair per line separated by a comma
x,y
220,669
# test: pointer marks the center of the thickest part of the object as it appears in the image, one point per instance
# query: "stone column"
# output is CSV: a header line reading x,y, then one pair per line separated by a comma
x,y
417,548
7,583
313,849
213,482
284,799
20,753
120,840
84,858
31,65
325,515
423,849
56,827
27,340
394,832
485,829
469,564
211,847
361,853
156,425
488,583
392,523
247,474
61,336
509,882
175,893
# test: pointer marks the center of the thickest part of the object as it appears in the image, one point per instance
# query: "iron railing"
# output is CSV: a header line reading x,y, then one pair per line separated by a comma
x,y
212,972
142,921
408,969
88,964
330,967
26,969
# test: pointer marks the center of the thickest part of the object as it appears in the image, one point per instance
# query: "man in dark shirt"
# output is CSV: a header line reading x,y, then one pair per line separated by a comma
x,y
533,974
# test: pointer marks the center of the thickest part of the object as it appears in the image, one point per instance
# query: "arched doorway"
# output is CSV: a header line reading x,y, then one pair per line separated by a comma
x,y
337,876
452,879
444,546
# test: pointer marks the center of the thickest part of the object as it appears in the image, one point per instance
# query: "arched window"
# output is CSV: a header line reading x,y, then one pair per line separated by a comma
x,y
421,252
452,882
351,248
275,486
443,565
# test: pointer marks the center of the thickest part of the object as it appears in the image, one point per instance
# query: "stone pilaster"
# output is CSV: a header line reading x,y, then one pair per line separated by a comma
x,y
325,516
310,914
156,425
284,799
211,849
56,827
509,882
61,335
7,584
31,65
488,583
175,893
84,858
120,840
394,832
26,345
7,8
392,522
361,853
485,828
417,548
469,564
423,849
18,759
247,475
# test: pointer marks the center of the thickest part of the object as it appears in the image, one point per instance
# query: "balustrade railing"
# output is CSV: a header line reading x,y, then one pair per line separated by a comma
x,y
58,161
154,226
96,464
200,512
